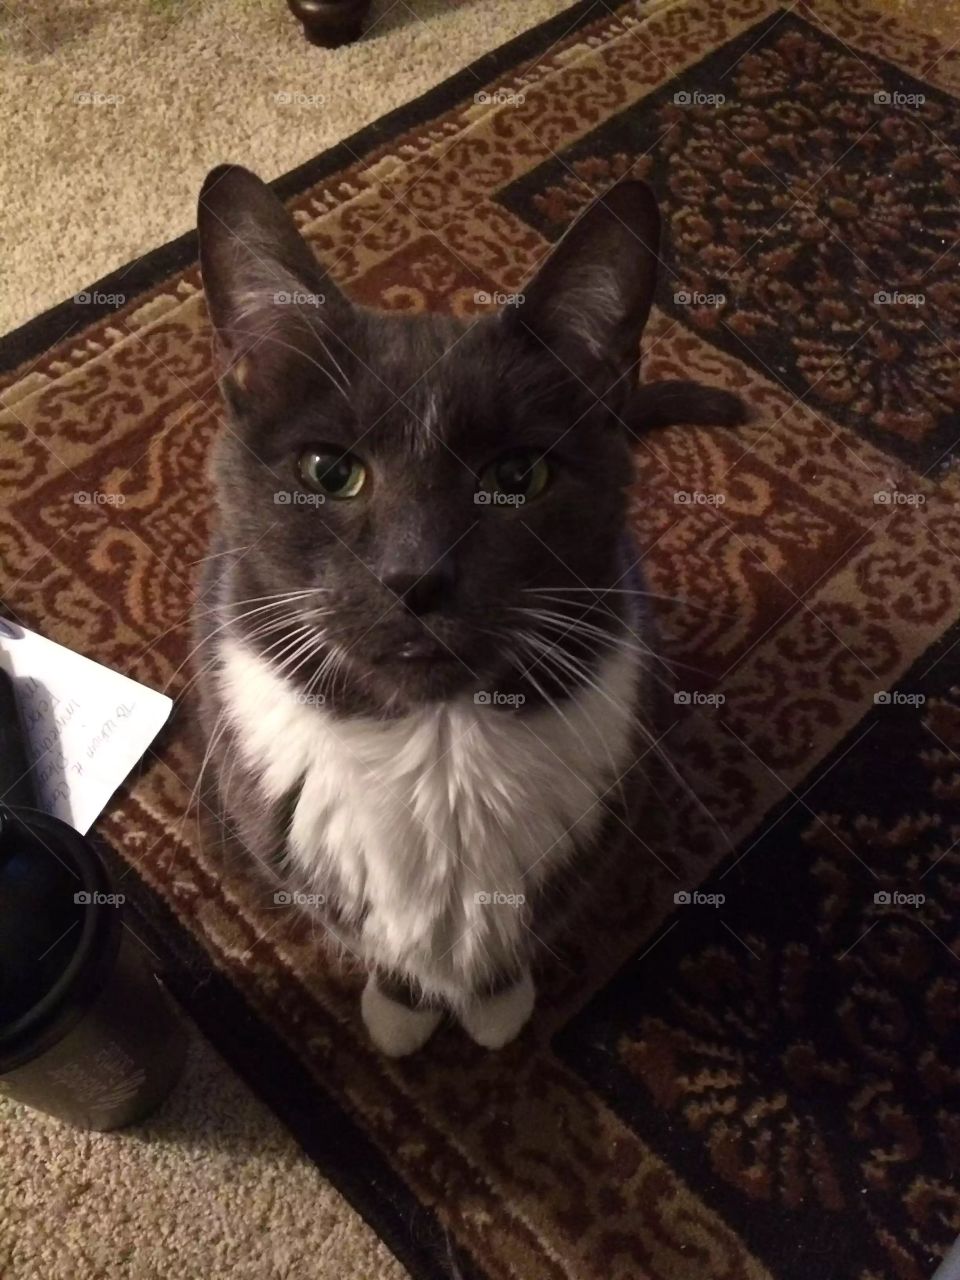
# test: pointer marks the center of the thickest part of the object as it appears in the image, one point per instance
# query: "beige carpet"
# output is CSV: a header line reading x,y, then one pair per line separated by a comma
x,y
213,1187
210,1187
112,111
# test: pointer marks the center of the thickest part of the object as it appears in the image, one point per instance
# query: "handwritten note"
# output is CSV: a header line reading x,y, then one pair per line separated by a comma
x,y
85,725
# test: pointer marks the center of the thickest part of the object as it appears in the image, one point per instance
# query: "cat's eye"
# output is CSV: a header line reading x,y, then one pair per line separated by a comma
x,y
518,476
331,472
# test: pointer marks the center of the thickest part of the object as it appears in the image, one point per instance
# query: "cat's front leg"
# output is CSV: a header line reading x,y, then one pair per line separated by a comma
x,y
397,1022
494,1020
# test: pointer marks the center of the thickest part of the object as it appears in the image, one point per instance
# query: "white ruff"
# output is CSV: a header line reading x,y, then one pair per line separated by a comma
x,y
417,816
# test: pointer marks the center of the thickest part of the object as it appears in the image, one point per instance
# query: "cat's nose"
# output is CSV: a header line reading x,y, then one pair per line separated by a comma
x,y
421,590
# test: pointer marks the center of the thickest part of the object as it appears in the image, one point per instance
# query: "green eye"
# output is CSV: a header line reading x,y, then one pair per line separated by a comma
x,y
514,478
328,471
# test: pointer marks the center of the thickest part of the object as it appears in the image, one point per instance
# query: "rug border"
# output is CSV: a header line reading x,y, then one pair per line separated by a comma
x,y
34,337
334,1143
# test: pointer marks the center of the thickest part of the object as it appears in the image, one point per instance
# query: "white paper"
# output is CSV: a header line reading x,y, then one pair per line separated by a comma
x,y
85,725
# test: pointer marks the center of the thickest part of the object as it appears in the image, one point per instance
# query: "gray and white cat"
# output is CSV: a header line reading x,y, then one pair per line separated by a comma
x,y
422,639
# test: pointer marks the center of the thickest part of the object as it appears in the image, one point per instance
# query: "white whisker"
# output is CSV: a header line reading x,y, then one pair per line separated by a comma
x,y
598,592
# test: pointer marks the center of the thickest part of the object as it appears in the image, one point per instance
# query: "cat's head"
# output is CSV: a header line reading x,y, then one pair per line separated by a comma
x,y
431,480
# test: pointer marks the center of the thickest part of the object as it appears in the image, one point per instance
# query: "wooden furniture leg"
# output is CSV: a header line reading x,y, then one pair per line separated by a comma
x,y
330,22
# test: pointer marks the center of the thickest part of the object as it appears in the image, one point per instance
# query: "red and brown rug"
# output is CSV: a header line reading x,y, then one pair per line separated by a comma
x,y
757,1074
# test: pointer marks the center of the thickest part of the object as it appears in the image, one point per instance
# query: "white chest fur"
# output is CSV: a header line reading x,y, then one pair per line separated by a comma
x,y
435,826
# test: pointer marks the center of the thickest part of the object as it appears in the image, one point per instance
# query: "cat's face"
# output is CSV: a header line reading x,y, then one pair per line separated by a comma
x,y
428,482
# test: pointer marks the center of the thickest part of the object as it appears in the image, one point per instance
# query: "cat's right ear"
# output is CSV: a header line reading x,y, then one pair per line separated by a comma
x,y
589,301
272,306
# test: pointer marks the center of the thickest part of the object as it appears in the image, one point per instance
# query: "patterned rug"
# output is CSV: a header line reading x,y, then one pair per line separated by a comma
x,y
749,1069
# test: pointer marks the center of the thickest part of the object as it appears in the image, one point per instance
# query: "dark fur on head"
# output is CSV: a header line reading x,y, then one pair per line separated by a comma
x,y
424,584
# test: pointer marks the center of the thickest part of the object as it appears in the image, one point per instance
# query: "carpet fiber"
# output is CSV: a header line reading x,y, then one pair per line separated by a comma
x,y
113,111
749,1070
211,1185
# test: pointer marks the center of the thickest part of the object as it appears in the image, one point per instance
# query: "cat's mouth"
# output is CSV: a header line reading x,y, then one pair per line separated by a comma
x,y
420,667
423,649
413,660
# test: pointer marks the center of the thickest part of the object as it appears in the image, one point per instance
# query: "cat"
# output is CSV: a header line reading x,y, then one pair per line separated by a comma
x,y
423,631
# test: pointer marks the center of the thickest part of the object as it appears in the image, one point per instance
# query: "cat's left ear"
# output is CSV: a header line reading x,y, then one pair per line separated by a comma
x,y
275,312
590,300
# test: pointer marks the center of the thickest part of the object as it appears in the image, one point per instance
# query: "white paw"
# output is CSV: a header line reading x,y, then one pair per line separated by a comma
x,y
395,1029
498,1020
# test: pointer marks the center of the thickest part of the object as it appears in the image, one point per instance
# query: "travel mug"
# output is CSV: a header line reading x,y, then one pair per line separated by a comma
x,y
87,1033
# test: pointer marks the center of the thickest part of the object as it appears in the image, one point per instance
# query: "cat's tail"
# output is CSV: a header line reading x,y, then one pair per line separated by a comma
x,y
663,404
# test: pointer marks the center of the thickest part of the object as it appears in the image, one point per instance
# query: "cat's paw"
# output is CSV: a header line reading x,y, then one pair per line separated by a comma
x,y
395,1028
499,1019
